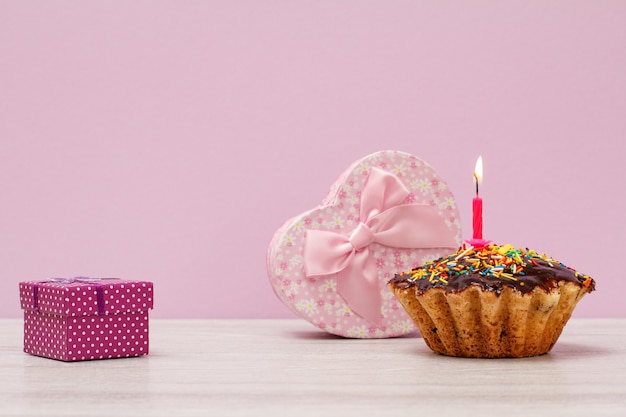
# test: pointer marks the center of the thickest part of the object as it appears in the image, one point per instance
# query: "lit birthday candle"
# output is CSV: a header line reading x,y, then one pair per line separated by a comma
x,y
477,204
477,209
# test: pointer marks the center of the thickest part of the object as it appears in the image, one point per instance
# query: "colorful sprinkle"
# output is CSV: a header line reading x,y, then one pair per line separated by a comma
x,y
502,262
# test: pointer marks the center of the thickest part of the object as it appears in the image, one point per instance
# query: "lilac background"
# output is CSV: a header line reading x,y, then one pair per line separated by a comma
x,y
167,141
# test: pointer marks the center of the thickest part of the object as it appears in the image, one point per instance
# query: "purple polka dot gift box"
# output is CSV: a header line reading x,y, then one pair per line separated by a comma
x,y
76,319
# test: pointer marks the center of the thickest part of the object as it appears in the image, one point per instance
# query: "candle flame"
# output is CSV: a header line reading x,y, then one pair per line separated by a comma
x,y
478,171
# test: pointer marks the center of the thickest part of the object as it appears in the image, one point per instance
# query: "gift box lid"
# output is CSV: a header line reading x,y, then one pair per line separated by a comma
x,y
86,296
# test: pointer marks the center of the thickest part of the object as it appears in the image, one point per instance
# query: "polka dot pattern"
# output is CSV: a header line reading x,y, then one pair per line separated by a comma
x,y
86,337
79,298
67,324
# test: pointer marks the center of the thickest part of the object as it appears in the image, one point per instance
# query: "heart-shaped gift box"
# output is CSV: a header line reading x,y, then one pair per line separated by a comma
x,y
387,213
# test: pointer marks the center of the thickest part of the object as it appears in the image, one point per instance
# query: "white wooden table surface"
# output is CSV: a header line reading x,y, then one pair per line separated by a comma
x,y
289,368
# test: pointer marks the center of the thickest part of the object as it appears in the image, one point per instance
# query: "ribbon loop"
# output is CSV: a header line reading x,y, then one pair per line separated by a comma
x,y
86,280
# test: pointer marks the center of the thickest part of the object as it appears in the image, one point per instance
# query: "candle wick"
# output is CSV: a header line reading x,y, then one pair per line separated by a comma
x,y
476,181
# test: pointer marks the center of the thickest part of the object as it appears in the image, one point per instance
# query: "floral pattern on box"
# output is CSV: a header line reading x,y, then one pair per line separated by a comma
x,y
388,212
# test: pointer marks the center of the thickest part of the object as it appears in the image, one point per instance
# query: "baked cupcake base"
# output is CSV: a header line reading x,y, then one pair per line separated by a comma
x,y
482,324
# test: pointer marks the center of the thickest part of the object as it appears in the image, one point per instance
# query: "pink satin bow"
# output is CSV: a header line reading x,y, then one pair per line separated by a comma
x,y
383,220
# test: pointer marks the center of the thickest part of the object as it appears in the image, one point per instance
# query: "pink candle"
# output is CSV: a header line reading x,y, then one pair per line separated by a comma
x,y
478,217
477,206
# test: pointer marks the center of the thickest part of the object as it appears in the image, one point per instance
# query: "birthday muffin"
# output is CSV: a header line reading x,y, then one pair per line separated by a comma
x,y
491,302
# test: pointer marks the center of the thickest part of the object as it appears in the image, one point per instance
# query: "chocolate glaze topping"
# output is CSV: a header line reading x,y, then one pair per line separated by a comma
x,y
492,268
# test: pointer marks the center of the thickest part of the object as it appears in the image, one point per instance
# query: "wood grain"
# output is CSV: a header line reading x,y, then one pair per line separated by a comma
x,y
289,368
